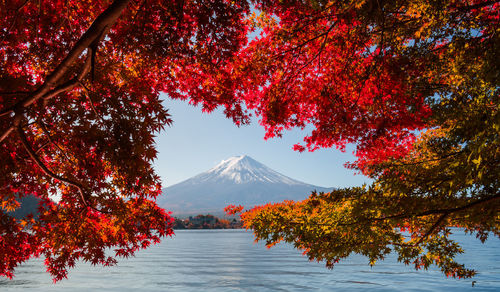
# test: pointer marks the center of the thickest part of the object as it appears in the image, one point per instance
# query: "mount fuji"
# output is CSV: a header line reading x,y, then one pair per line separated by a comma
x,y
237,180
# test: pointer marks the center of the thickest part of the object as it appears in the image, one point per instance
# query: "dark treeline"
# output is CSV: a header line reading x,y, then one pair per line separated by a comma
x,y
206,222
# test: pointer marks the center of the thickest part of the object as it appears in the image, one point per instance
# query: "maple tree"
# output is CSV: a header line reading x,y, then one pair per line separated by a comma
x,y
414,84
79,108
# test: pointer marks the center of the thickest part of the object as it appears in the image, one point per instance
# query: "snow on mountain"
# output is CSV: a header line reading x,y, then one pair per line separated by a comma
x,y
237,180
243,169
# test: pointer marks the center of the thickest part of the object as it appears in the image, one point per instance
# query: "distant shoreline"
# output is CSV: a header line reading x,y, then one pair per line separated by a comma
x,y
207,221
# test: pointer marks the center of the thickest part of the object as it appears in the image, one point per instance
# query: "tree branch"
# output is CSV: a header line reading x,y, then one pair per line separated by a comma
x,y
61,88
49,137
98,28
441,211
89,40
41,147
431,230
6,133
45,169
304,43
91,102
428,160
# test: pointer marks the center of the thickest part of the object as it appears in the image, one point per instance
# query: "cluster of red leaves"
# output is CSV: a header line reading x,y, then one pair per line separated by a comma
x,y
376,73
16,245
68,234
80,84
319,67
233,209
79,110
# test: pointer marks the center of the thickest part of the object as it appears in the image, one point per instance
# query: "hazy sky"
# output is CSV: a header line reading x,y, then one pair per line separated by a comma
x,y
198,141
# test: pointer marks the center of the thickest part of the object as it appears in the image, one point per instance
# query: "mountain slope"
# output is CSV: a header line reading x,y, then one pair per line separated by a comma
x,y
237,180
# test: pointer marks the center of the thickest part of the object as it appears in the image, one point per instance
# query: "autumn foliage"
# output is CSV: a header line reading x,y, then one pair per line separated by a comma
x,y
413,84
79,109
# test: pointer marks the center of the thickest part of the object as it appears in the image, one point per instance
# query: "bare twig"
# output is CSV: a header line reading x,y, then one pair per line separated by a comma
x,y
6,133
49,137
41,147
91,102
304,43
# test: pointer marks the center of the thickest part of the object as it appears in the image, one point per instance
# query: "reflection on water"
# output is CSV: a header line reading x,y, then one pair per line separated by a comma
x,y
228,260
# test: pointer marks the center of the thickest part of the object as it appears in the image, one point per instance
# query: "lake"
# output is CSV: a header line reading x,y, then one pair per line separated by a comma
x,y
228,260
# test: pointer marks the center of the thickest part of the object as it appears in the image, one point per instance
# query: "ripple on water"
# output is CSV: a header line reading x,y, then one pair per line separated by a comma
x,y
229,261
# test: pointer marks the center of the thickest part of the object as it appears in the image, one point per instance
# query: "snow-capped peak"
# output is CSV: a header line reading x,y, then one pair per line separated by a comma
x,y
244,169
236,180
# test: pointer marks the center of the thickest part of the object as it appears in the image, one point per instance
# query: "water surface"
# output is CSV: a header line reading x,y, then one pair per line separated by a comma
x,y
228,260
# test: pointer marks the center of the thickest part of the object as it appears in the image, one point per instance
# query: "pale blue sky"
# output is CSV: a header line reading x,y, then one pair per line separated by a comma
x,y
198,141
